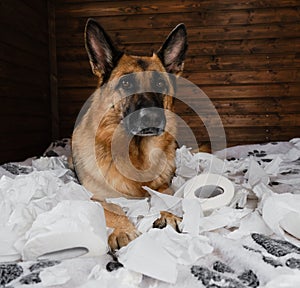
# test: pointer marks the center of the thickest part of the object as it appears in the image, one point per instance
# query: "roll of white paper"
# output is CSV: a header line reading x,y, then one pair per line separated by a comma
x,y
212,190
71,229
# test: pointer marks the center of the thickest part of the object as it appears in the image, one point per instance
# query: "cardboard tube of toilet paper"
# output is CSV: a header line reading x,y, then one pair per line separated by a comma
x,y
212,190
70,229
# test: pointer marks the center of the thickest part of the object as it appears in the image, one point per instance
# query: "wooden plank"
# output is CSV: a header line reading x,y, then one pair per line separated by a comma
x,y
53,71
100,8
17,39
256,134
244,55
21,74
197,19
202,78
228,121
77,96
244,77
25,124
234,135
232,107
40,8
252,106
255,91
23,107
23,19
15,56
10,89
201,48
248,120
212,33
205,63
262,134
240,62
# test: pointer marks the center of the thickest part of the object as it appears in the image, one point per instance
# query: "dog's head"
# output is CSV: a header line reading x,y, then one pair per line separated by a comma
x,y
147,94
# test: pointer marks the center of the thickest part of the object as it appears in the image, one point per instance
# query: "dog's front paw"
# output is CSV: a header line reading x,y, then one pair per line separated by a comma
x,y
167,218
120,237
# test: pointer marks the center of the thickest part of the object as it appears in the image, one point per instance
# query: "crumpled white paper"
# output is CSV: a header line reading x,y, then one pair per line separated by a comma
x,y
54,276
251,223
157,252
281,212
256,178
23,198
121,278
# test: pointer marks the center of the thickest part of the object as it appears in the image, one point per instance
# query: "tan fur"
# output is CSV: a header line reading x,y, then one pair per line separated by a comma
x,y
92,138
91,149
114,155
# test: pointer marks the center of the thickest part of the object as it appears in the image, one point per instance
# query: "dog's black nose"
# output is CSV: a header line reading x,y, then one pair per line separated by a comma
x,y
149,121
151,117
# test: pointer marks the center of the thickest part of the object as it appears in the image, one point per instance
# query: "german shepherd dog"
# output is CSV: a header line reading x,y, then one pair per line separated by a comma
x,y
141,120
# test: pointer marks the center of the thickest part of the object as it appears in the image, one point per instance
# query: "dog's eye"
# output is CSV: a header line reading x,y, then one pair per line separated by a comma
x,y
161,85
127,84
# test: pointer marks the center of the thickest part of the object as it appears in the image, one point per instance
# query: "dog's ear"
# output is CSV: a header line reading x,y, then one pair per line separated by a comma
x,y
172,52
101,51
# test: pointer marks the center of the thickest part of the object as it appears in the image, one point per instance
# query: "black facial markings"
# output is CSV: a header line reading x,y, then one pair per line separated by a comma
x,y
143,64
159,83
127,82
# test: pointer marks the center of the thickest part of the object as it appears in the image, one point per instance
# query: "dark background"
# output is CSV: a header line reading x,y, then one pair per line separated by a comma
x,y
243,54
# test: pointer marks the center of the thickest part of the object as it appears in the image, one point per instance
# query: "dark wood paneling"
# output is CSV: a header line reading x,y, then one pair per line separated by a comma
x,y
243,54
110,8
24,79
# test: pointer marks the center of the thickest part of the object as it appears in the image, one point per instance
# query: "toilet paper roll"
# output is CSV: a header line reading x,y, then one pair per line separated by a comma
x,y
71,229
212,190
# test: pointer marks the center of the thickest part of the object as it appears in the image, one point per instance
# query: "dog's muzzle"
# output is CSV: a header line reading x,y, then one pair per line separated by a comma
x,y
149,121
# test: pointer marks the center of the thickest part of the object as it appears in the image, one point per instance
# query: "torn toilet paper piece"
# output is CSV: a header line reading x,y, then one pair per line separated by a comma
x,y
256,174
272,168
145,223
52,163
134,208
223,217
251,223
209,163
192,212
71,229
146,255
164,202
186,164
189,164
157,253
55,275
281,212
121,278
139,211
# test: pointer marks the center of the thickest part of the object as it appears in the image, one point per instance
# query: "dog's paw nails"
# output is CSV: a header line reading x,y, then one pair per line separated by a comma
x,y
121,237
167,218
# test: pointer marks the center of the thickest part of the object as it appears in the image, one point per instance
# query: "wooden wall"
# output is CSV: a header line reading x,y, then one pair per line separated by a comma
x,y
25,120
245,55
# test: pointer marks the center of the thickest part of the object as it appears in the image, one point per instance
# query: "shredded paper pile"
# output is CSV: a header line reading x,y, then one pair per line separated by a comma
x,y
252,241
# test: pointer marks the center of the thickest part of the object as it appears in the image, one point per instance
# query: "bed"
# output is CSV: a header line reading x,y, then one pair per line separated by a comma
x,y
251,242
